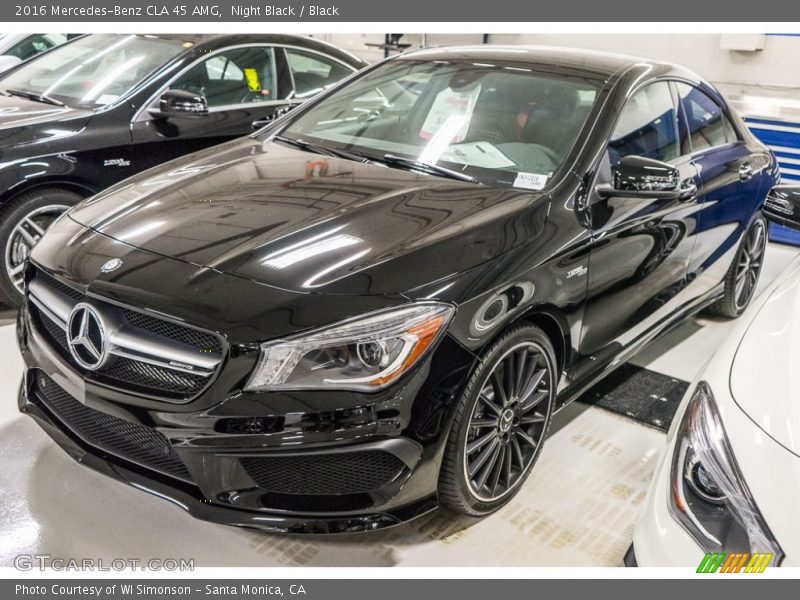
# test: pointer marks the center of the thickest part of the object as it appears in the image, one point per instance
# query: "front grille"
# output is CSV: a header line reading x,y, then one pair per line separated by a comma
x,y
205,342
324,474
130,441
142,376
187,358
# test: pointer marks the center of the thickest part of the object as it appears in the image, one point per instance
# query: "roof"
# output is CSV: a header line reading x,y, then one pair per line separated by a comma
x,y
602,63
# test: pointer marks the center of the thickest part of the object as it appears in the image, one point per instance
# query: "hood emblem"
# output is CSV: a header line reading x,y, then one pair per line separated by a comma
x,y
111,265
86,337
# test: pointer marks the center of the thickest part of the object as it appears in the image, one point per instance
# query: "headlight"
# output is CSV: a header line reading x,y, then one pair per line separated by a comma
x,y
364,354
708,494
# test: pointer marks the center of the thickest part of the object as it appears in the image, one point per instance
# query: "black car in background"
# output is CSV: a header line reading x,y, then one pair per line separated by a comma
x,y
375,305
103,107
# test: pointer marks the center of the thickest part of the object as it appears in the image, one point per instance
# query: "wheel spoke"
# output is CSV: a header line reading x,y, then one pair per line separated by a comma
x,y
507,467
533,383
33,225
489,404
497,386
522,356
509,378
526,438
17,270
518,452
531,420
534,401
497,468
480,442
488,468
483,422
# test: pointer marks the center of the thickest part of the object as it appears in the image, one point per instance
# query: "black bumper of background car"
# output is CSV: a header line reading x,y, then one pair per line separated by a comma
x,y
342,482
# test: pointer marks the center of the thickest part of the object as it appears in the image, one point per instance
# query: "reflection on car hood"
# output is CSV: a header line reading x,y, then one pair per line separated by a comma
x,y
305,222
25,121
765,380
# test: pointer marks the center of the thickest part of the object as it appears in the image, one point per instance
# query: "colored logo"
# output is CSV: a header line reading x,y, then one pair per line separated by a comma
x,y
741,562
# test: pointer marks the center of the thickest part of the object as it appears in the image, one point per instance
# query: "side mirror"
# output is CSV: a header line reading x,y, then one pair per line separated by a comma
x,y
641,177
782,206
179,103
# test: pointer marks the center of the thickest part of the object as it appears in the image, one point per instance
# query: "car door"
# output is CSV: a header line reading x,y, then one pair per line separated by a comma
x,y
244,87
730,182
641,247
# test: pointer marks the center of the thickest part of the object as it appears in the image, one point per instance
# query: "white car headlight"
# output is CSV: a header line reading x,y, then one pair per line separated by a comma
x,y
366,353
708,495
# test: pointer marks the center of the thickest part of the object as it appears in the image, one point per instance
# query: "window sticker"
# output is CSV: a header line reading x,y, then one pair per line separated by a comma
x,y
253,83
531,181
451,106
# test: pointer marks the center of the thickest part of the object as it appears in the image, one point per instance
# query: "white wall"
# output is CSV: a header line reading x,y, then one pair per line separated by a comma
x,y
773,71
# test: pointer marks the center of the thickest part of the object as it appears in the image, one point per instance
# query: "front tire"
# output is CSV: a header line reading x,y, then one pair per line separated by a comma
x,y
742,277
500,423
23,221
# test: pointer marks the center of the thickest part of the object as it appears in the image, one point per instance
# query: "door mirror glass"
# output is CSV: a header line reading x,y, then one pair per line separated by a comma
x,y
782,206
179,103
642,174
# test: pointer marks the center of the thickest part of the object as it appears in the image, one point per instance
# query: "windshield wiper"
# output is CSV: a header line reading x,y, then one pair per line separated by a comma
x,y
308,146
423,166
34,96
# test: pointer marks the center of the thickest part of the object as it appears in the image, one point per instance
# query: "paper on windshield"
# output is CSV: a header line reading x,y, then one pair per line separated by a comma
x,y
451,106
478,154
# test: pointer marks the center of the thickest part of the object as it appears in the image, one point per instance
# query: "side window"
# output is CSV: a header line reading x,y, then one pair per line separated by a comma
x,y
237,76
312,73
647,126
706,124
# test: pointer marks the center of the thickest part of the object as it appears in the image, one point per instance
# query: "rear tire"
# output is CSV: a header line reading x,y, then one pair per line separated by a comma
x,y
23,221
742,276
500,423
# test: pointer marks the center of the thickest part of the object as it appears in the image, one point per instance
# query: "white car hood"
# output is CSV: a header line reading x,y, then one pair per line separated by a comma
x,y
765,378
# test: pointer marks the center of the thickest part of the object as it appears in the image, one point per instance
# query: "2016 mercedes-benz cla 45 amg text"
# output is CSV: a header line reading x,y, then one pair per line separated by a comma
x,y
375,305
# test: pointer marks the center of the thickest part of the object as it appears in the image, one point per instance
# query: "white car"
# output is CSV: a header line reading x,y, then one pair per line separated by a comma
x,y
729,482
18,47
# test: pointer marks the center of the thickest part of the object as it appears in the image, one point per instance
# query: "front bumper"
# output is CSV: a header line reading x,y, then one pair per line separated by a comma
x,y
336,471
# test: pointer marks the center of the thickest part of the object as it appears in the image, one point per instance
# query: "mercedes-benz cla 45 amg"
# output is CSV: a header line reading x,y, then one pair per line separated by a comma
x,y
375,305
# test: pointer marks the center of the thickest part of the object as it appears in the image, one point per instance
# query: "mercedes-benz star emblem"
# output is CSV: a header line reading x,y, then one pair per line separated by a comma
x,y
86,337
111,265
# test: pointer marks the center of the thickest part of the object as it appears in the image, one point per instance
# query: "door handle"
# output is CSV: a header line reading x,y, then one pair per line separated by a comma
x,y
746,172
688,190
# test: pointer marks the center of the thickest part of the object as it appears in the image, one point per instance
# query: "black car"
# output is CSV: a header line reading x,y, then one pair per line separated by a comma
x,y
375,305
100,108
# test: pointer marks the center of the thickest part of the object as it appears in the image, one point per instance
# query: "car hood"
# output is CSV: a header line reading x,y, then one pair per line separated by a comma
x,y
765,380
25,122
305,222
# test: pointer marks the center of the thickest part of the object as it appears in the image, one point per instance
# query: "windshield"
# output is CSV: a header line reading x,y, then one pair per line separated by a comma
x,y
502,124
92,71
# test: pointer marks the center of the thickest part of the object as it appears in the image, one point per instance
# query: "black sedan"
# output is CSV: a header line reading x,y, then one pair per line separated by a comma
x,y
375,305
100,108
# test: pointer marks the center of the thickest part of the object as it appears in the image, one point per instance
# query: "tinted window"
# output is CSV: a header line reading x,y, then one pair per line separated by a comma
x,y
94,70
706,124
312,73
647,126
237,76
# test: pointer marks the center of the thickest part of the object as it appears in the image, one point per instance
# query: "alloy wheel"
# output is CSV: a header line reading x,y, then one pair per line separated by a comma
x,y
748,266
25,235
508,422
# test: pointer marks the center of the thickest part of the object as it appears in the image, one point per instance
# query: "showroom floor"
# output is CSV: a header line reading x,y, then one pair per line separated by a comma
x,y
578,508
